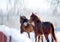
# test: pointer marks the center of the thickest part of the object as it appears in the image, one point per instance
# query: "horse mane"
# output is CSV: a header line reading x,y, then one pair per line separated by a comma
x,y
36,17
22,18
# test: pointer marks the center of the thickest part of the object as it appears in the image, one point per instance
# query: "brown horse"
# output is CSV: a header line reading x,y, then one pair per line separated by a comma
x,y
25,25
45,28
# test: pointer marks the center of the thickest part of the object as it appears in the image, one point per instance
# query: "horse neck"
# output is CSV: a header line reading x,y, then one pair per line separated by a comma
x,y
37,21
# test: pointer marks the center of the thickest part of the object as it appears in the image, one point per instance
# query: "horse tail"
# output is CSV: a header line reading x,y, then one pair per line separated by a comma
x,y
53,33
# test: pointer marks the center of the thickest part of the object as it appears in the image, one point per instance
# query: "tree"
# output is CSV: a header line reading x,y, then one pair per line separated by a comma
x,y
55,4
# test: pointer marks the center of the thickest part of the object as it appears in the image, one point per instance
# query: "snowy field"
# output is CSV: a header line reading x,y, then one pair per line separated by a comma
x,y
17,37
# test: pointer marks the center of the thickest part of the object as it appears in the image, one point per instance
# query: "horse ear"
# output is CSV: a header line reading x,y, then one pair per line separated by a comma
x,y
32,13
20,15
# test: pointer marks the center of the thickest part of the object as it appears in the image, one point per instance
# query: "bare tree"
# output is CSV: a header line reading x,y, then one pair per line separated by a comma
x,y
1,15
55,4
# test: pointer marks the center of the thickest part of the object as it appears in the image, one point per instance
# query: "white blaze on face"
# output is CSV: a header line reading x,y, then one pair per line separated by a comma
x,y
25,23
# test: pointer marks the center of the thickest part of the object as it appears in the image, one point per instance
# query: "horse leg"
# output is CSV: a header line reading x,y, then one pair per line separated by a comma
x,y
46,36
38,38
28,35
35,38
42,38
52,39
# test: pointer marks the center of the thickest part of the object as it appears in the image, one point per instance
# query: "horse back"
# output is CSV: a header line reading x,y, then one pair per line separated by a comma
x,y
47,27
46,24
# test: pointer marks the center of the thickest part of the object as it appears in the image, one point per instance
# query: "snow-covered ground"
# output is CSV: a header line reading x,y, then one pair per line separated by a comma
x,y
18,37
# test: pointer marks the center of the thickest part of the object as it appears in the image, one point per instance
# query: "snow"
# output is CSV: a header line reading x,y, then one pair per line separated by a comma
x,y
14,33
18,37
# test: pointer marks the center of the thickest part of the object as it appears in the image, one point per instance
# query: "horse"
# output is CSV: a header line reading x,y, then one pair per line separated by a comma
x,y
25,25
42,28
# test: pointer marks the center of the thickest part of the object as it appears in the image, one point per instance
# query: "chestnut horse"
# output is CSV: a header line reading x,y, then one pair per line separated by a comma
x,y
41,28
25,25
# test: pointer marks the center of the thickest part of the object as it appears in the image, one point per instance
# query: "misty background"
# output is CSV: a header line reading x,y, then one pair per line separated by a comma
x,y
46,10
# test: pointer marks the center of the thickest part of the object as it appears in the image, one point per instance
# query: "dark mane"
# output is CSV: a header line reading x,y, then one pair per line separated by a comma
x,y
22,18
35,17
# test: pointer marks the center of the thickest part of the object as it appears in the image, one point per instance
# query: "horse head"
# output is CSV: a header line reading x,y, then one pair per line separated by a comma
x,y
34,18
